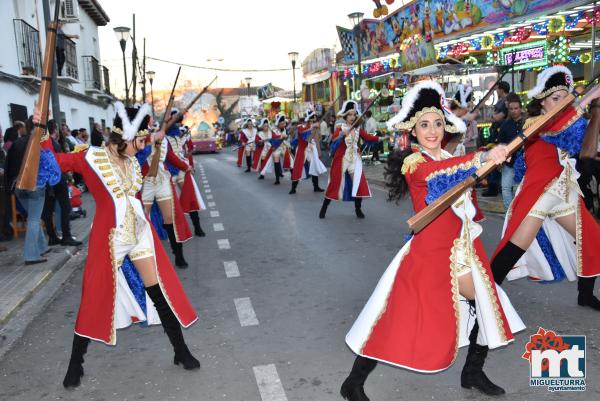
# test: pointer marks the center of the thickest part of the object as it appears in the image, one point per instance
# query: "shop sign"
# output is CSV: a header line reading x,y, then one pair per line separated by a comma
x,y
527,55
317,61
437,20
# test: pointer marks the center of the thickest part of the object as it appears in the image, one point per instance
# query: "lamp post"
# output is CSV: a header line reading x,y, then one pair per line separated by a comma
x,y
293,58
355,19
122,34
151,75
215,60
248,80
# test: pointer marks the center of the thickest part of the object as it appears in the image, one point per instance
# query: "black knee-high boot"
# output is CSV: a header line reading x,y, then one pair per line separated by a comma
x,y
248,163
278,172
176,247
586,297
472,375
357,208
505,260
294,186
353,387
75,369
173,329
315,182
196,222
326,203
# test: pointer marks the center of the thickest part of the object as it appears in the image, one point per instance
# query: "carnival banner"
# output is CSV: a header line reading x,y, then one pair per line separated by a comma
x,y
435,21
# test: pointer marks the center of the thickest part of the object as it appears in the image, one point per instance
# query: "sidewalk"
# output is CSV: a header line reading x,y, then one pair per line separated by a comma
x,y
374,174
19,283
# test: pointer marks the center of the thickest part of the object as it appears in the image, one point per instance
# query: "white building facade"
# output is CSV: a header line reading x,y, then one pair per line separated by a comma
x,y
84,91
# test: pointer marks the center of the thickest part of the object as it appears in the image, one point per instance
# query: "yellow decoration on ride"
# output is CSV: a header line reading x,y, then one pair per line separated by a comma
x,y
556,24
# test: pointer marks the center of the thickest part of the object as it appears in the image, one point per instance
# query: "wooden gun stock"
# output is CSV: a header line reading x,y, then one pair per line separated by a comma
x,y
27,178
427,215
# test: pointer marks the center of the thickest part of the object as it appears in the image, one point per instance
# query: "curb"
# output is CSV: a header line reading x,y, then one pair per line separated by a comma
x,y
40,296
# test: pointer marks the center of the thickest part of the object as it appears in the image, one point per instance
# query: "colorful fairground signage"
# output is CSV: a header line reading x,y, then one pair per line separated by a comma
x,y
527,55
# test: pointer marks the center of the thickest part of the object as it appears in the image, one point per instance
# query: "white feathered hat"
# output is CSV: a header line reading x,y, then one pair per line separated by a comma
x,y
348,106
279,118
131,122
263,122
308,115
425,97
550,80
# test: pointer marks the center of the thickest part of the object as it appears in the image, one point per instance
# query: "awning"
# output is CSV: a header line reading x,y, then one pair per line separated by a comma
x,y
316,78
278,99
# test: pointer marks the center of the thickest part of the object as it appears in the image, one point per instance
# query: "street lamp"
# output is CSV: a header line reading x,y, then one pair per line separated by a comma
x,y
248,80
293,58
355,19
151,75
213,60
122,34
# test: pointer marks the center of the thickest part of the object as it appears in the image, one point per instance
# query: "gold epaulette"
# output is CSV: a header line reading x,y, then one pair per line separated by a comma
x,y
529,122
80,147
411,162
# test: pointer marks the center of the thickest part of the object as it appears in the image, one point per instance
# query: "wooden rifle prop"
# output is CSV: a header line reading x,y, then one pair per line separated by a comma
x,y
27,178
433,210
153,170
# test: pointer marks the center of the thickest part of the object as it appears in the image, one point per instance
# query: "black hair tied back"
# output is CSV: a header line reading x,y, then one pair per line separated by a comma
x,y
395,181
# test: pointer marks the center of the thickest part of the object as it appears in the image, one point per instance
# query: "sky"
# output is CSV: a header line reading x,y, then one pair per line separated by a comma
x,y
253,34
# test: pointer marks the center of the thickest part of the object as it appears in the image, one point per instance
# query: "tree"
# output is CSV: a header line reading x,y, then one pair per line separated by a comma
x,y
226,112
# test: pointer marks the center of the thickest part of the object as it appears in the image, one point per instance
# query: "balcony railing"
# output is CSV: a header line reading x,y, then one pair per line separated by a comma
x,y
105,80
70,67
28,48
93,79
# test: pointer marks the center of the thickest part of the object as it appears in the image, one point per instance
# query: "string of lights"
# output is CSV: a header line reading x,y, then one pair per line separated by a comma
x,y
219,69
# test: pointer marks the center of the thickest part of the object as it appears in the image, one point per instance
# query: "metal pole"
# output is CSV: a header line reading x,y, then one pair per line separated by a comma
x,y
144,74
152,96
54,86
134,64
357,35
294,78
593,45
123,43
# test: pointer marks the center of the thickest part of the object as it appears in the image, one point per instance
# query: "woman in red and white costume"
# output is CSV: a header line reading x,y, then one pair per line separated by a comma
x,y
189,197
265,135
262,135
347,180
306,160
278,151
162,190
248,141
421,310
127,277
548,227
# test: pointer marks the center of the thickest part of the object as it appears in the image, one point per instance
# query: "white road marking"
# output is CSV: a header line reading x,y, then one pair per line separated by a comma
x,y
214,213
269,383
223,243
207,191
212,204
205,181
218,227
206,186
231,269
209,196
245,312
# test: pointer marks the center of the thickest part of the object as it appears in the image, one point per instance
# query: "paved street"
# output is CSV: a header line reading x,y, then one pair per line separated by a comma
x,y
276,290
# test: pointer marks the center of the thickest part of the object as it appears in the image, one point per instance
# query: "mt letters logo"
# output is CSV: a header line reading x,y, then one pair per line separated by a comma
x,y
556,362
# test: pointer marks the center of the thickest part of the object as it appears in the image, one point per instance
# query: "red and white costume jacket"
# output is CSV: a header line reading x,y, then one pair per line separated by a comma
x,y
346,161
163,177
190,197
278,147
104,291
259,151
307,152
246,142
549,170
416,317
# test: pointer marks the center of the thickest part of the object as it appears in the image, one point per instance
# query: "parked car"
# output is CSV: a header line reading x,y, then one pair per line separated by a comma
x,y
204,139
